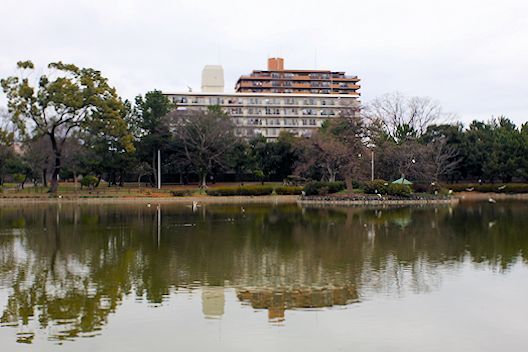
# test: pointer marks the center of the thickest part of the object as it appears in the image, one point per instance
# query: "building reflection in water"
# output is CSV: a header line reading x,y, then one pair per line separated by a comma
x,y
278,300
213,302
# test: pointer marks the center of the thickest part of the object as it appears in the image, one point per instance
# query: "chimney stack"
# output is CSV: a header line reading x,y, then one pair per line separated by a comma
x,y
275,64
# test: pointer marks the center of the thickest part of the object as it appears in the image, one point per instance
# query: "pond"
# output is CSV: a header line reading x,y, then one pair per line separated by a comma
x,y
109,277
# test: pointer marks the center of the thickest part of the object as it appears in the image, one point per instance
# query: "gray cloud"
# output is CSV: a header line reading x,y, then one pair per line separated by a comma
x,y
470,55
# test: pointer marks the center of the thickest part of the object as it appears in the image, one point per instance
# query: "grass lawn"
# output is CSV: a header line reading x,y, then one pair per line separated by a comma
x,y
70,189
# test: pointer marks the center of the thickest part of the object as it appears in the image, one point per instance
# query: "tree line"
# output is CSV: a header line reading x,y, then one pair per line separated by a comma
x,y
71,123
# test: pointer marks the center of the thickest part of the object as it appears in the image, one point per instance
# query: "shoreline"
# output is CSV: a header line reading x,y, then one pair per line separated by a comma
x,y
154,200
453,200
273,199
479,196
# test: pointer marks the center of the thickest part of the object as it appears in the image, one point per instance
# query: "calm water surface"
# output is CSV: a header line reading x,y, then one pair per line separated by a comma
x,y
283,277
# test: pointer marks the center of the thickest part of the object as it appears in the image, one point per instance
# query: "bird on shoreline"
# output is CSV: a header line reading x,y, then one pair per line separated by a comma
x,y
491,200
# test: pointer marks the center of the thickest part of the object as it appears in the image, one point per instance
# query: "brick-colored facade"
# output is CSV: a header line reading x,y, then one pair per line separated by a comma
x,y
277,79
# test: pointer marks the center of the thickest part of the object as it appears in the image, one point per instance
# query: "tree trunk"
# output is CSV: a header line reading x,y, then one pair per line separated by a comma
x,y
203,181
24,181
154,169
44,177
349,185
56,169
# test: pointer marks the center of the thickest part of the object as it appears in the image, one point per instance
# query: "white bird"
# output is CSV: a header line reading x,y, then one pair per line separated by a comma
x,y
379,195
195,205
470,189
450,191
242,209
148,205
502,187
491,200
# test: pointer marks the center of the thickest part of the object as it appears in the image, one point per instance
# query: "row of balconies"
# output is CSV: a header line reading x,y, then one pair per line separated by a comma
x,y
299,91
288,102
321,113
296,85
277,122
298,76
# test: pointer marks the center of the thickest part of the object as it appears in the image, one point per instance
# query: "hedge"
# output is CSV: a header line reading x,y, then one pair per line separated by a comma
x,y
182,192
489,187
288,190
323,188
260,190
383,187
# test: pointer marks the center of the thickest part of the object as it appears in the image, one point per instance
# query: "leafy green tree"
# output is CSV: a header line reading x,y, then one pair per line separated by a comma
x,y
275,159
109,143
241,160
68,99
149,130
508,146
6,147
494,150
523,172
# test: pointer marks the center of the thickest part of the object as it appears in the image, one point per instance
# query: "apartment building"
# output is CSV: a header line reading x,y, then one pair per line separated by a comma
x,y
269,111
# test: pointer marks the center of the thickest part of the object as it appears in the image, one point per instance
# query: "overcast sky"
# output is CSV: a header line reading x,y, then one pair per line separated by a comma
x,y
470,55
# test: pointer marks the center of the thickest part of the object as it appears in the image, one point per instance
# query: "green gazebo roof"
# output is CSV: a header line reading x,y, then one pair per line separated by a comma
x,y
403,181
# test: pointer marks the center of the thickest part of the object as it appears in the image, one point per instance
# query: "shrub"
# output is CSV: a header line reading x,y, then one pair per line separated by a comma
x,y
89,181
288,190
399,190
323,188
257,190
376,186
182,192
357,184
19,178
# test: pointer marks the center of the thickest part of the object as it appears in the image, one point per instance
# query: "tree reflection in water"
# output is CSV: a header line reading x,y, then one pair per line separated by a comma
x,y
65,268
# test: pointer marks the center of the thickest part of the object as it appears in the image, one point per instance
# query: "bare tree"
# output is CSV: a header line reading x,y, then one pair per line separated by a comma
x,y
39,155
325,154
444,158
337,149
203,138
403,117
